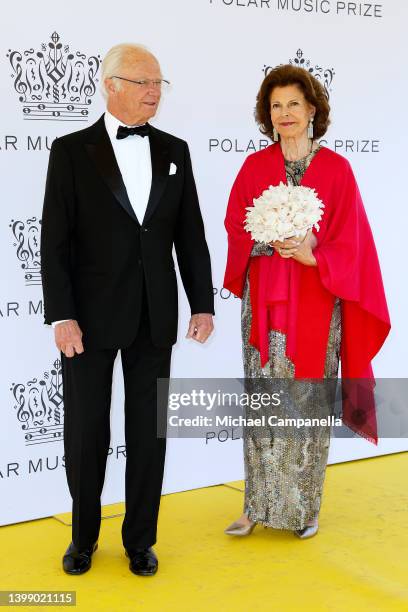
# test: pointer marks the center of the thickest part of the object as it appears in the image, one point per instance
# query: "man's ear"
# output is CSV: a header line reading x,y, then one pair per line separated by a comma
x,y
110,86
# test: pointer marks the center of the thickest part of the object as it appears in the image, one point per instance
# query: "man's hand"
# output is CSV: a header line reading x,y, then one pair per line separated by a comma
x,y
68,338
201,326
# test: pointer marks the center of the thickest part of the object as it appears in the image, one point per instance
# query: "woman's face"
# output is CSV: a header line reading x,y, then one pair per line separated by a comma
x,y
290,111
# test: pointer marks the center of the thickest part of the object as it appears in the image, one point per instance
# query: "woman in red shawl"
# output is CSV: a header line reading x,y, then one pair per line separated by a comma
x,y
306,304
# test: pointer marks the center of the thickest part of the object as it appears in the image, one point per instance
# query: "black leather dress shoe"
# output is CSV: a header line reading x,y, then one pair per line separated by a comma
x,y
143,562
77,562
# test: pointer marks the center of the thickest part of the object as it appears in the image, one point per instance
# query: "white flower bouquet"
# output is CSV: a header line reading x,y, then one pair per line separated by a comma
x,y
283,211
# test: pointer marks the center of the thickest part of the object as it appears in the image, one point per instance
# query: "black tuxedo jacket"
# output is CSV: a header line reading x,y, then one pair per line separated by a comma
x,y
95,255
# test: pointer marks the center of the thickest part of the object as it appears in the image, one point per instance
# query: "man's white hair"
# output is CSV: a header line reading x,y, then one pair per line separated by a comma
x,y
114,60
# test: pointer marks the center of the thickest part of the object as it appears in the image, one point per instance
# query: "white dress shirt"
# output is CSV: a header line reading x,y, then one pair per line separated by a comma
x,y
133,157
135,165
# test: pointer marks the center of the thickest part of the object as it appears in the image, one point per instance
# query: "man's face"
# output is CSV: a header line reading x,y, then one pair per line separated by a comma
x,y
135,103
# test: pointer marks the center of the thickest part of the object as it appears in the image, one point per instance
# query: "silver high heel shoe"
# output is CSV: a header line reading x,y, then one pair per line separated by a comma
x,y
238,529
308,531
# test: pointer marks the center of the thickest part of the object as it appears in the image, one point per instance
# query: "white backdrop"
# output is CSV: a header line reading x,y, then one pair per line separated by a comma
x,y
214,52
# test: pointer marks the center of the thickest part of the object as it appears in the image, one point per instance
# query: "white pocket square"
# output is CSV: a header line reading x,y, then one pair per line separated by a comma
x,y
173,168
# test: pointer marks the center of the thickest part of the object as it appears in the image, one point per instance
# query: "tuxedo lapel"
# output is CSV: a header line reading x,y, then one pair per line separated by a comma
x,y
100,150
160,171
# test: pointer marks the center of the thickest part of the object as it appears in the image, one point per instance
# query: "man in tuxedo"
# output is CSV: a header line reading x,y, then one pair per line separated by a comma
x,y
119,195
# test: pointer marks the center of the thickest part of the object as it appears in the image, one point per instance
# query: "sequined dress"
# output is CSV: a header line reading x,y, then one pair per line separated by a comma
x,y
284,472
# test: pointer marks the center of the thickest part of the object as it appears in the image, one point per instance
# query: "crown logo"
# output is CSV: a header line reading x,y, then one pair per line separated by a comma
x,y
27,242
324,75
54,84
39,407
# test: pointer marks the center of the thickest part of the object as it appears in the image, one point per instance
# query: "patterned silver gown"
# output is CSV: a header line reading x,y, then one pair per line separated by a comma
x,y
284,473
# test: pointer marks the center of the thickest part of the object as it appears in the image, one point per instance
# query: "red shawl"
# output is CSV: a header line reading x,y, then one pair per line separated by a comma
x,y
298,300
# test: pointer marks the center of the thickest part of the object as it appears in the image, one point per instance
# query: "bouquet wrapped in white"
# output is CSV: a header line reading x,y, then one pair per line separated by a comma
x,y
283,211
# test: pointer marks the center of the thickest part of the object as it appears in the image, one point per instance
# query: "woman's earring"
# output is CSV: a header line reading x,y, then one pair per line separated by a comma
x,y
310,128
275,135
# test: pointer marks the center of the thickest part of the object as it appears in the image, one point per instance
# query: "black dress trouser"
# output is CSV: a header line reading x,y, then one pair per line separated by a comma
x,y
87,380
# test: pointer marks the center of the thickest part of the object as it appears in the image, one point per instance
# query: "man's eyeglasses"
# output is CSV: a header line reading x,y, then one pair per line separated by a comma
x,y
146,83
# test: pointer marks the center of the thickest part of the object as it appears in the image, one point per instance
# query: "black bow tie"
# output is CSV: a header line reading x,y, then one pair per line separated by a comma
x,y
139,130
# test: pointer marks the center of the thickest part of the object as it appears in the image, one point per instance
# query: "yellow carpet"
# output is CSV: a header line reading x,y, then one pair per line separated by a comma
x,y
357,562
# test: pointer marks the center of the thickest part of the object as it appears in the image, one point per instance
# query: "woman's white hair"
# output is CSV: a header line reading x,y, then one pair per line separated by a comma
x,y
114,60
